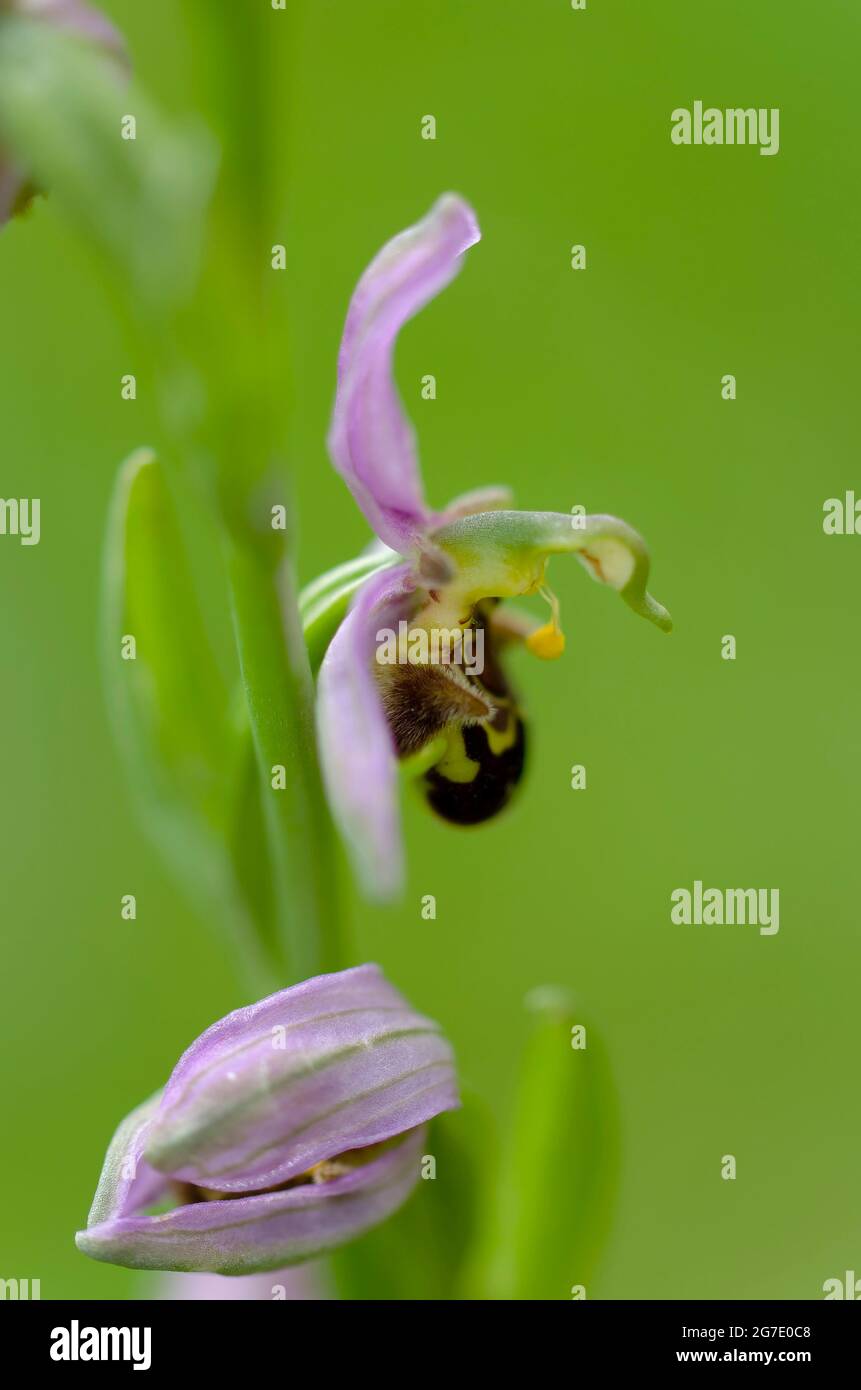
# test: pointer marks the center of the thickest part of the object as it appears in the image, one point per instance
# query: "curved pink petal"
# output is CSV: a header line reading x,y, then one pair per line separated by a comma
x,y
481,499
371,440
246,1234
336,1063
357,751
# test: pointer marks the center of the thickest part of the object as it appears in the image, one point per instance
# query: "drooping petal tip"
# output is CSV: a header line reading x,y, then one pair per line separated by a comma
x,y
371,441
503,553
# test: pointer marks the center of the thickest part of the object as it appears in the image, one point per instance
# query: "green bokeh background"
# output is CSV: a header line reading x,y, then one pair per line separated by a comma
x,y
599,387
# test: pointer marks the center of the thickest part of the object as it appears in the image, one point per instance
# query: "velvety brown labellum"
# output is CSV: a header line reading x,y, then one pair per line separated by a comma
x,y
476,714
497,773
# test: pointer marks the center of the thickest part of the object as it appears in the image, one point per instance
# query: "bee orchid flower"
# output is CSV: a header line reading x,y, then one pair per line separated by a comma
x,y
287,1129
435,579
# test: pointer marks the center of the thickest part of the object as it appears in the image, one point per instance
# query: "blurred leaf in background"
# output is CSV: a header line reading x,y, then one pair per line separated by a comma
x,y
183,735
549,1206
67,112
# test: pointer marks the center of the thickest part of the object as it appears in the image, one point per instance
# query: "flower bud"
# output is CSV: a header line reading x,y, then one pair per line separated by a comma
x,y
286,1129
78,19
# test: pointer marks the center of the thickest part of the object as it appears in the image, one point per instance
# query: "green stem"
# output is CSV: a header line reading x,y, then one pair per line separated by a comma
x,y
198,283
277,680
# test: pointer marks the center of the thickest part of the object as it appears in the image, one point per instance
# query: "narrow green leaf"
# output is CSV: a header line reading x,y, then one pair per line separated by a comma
x,y
549,1209
163,678
186,758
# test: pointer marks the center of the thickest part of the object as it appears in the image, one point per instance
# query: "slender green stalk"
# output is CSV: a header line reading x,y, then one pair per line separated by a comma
x,y
277,681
